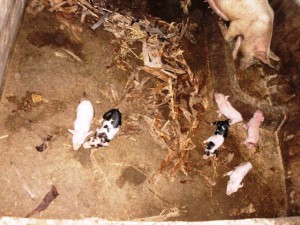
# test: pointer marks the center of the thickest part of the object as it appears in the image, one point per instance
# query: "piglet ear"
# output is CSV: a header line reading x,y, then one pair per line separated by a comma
x,y
241,185
227,96
71,131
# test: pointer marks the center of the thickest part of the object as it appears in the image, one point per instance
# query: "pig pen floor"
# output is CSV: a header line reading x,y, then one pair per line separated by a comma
x,y
114,183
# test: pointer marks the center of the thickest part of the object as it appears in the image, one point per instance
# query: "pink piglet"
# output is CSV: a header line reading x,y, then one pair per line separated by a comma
x,y
253,128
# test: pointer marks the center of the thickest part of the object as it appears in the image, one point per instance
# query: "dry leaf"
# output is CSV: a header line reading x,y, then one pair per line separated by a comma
x,y
36,6
36,98
49,197
45,144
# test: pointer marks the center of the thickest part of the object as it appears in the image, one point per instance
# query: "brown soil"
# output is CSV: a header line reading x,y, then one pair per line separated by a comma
x,y
113,182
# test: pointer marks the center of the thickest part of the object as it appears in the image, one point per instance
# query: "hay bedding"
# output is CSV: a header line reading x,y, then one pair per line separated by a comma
x,y
173,107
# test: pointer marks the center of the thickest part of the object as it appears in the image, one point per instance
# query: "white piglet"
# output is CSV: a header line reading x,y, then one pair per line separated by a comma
x,y
84,117
236,177
226,109
253,128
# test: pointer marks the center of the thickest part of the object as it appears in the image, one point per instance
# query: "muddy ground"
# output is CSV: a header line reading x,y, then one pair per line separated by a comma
x,y
114,182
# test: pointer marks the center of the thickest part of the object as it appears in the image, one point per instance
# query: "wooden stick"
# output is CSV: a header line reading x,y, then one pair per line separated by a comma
x,y
25,186
4,136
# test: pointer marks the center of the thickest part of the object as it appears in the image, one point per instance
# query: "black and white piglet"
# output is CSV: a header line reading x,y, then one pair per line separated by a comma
x,y
217,139
111,126
222,127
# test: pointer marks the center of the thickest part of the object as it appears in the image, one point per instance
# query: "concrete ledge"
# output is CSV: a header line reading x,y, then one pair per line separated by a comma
x,y
94,221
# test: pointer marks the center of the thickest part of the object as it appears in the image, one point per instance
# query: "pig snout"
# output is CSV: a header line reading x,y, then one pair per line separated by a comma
x,y
78,139
76,147
86,145
219,97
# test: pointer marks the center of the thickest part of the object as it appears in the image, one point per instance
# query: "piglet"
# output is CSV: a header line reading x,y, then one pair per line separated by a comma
x,y
253,128
217,139
226,109
222,127
84,117
236,177
111,126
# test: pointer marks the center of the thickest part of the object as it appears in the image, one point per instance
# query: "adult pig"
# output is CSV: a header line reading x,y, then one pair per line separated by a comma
x,y
251,22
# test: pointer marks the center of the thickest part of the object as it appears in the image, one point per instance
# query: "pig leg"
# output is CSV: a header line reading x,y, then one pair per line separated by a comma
x,y
216,9
237,47
223,27
232,31
230,34
246,126
229,173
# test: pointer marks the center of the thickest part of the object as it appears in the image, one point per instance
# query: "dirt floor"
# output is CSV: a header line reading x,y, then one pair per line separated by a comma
x,y
114,182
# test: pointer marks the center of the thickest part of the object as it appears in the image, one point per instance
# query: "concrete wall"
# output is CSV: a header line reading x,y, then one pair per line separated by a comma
x,y
11,12
285,43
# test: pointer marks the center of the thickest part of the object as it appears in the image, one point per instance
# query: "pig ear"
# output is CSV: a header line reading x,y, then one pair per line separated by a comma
x,y
71,131
227,96
262,56
241,185
273,56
